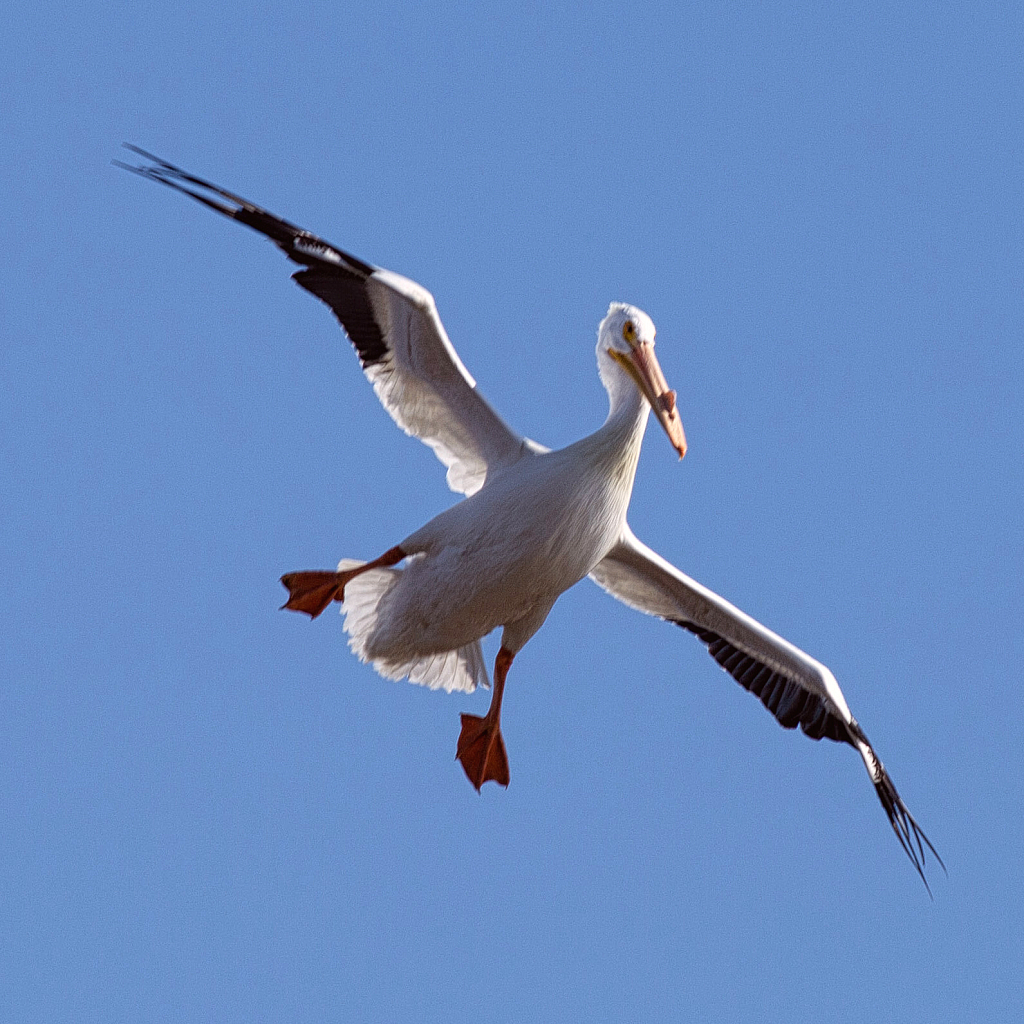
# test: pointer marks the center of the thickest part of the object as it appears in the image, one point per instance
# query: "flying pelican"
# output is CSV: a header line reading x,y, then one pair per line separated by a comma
x,y
533,522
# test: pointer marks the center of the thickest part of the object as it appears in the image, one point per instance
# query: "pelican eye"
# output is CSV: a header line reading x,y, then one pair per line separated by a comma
x,y
629,331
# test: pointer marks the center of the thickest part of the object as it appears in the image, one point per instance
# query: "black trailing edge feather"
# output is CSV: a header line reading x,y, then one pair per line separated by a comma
x,y
790,703
334,276
793,705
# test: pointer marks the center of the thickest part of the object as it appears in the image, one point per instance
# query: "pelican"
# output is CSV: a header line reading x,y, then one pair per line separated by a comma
x,y
533,522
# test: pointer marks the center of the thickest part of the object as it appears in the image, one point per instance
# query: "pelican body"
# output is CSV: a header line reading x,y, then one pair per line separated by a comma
x,y
533,522
502,556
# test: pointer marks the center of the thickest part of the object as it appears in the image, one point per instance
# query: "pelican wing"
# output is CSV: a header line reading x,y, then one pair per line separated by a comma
x,y
394,326
794,687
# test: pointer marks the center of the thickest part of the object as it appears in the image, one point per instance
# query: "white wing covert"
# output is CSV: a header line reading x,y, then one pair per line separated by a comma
x,y
794,687
395,329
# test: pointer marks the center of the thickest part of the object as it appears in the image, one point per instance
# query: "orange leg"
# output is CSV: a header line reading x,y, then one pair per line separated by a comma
x,y
312,592
481,748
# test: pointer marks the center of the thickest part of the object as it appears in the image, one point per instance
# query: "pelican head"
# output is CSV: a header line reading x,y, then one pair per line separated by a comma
x,y
626,337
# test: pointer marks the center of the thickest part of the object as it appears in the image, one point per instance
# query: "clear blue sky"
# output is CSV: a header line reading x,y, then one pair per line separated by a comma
x,y
210,811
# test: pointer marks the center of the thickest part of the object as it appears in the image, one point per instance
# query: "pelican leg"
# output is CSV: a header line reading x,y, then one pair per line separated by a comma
x,y
311,592
481,748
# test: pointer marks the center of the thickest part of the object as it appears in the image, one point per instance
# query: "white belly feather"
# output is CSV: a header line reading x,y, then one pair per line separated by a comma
x,y
502,557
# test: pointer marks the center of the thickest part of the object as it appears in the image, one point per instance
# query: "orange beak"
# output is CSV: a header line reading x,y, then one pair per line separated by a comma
x,y
642,365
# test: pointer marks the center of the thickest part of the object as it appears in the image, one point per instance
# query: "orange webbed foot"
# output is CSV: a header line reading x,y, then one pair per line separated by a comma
x,y
312,592
481,750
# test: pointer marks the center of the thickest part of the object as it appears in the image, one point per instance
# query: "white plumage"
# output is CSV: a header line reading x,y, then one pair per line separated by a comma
x,y
503,555
370,619
534,522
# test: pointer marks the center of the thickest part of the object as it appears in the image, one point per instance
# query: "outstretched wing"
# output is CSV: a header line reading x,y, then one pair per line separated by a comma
x,y
394,326
794,687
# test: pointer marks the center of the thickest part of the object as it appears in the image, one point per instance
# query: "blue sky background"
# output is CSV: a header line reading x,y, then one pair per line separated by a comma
x,y
211,811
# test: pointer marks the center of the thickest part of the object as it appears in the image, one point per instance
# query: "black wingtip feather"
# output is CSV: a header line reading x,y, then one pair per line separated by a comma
x,y
331,274
297,244
910,835
792,705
